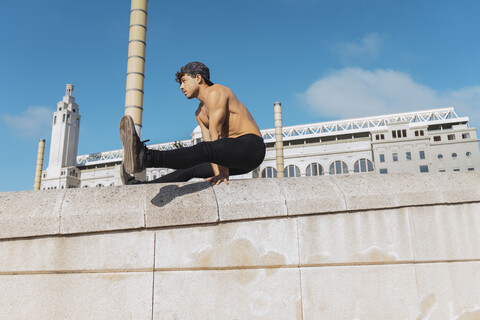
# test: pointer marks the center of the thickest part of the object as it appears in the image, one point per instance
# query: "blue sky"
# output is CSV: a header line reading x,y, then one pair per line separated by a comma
x,y
323,59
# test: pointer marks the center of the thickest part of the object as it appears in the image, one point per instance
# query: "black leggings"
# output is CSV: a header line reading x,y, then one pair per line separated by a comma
x,y
240,155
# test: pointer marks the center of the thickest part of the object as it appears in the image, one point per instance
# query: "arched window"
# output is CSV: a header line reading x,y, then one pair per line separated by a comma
x,y
99,185
338,167
314,169
363,165
292,171
269,172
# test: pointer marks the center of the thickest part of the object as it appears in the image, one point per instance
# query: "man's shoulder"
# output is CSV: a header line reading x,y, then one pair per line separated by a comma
x,y
219,88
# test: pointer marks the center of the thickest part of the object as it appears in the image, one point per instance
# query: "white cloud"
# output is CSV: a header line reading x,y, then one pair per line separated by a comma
x,y
35,122
367,47
355,92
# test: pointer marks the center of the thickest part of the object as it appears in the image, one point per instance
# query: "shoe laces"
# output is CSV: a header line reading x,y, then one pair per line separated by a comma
x,y
144,146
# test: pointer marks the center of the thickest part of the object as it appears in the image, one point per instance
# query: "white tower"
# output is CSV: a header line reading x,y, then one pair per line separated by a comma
x,y
62,172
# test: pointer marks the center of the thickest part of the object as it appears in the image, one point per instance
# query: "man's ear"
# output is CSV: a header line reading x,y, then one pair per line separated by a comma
x,y
198,78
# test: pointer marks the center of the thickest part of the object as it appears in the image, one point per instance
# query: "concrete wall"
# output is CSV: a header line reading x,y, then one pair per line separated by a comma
x,y
330,247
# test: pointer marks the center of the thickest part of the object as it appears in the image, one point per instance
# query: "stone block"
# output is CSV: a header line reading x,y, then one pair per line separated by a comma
x,y
249,294
30,213
248,199
76,296
457,187
102,209
449,290
365,191
232,245
355,238
178,204
359,292
98,252
446,232
413,189
311,195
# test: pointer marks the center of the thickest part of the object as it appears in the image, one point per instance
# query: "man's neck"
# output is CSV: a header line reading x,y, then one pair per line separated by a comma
x,y
202,93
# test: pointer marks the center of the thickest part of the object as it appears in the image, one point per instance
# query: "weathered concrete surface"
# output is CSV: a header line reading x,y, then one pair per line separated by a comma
x,y
354,238
266,243
360,292
76,296
250,199
228,294
179,204
348,247
102,209
95,252
25,214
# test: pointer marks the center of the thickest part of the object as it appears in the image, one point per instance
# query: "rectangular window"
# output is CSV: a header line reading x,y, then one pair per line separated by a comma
x,y
394,134
55,120
471,169
382,158
437,138
383,171
68,118
408,155
465,135
456,170
404,132
64,118
395,156
423,168
422,154
441,170
451,137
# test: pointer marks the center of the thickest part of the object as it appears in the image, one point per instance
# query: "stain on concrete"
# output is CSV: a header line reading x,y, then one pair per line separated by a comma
x,y
318,258
272,259
242,252
427,305
469,314
236,253
375,254
299,309
244,277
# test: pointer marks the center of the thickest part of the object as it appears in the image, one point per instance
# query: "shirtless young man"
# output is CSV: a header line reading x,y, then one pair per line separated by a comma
x,y
232,143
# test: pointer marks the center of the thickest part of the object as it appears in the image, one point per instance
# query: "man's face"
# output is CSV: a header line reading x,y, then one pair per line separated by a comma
x,y
189,86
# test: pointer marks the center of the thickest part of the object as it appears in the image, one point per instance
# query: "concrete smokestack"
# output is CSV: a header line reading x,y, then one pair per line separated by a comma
x,y
136,62
38,171
279,139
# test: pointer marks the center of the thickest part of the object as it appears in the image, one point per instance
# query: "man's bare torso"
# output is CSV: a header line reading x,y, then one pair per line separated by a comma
x,y
238,120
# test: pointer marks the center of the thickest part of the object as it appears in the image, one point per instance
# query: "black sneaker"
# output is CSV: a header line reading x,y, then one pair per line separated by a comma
x,y
126,178
134,150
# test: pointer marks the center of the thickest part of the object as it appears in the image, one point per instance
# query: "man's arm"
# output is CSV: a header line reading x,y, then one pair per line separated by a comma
x,y
217,110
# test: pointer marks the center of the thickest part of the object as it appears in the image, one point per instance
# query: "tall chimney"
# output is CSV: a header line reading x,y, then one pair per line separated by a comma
x,y
136,62
279,139
38,171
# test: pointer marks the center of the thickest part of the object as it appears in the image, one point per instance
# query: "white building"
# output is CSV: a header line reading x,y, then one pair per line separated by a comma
x,y
62,171
435,140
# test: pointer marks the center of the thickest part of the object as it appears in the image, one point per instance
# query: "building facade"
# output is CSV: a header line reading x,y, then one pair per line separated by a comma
x,y
62,171
435,140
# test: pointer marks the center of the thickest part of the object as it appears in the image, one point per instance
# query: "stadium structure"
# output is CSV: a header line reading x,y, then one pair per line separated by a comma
x,y
436,140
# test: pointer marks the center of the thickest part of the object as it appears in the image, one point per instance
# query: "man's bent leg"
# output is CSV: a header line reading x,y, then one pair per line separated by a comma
x,y
243,153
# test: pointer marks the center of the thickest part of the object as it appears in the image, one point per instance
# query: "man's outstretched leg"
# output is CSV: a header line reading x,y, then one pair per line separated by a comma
x,y
134,151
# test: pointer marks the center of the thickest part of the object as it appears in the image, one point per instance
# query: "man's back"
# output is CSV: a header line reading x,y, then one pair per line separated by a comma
x,y
238,120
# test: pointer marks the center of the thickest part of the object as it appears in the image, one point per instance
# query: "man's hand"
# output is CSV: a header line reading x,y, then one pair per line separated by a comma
x,y
216,180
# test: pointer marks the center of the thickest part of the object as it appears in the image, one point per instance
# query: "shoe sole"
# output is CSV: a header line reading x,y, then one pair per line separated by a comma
x,y
127,129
